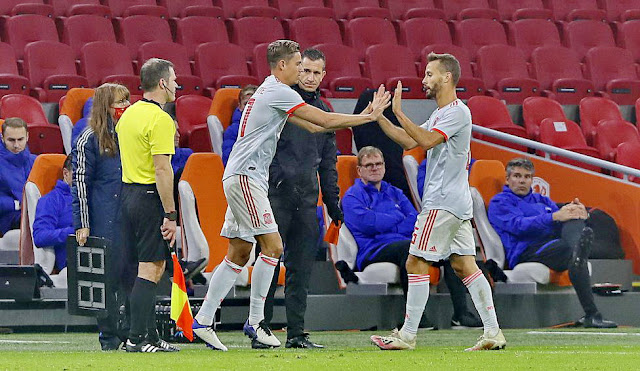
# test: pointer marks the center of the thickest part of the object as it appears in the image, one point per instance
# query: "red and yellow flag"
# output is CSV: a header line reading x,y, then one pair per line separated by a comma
x,y
180,308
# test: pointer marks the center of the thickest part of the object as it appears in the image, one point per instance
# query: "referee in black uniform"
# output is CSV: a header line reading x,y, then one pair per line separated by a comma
x,y
145,136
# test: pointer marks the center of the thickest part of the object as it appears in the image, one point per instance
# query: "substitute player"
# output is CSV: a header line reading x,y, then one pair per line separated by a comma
x,y
443,228
245,181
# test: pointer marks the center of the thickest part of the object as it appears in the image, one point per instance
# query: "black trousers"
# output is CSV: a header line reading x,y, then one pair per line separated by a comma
x,y
298,228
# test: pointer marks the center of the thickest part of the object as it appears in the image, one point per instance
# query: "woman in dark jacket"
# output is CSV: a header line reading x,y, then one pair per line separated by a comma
x,y
97,182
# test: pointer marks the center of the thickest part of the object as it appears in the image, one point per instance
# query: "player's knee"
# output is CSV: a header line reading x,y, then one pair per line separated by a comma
x,y
416,265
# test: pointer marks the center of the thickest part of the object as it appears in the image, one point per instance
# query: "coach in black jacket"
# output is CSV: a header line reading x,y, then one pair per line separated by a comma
x,y
293,192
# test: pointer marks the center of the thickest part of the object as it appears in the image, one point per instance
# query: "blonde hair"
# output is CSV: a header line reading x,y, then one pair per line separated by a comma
x,y
105,96
281,49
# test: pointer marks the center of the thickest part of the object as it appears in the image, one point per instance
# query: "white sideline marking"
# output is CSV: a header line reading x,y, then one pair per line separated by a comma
x,y
582,333
33,342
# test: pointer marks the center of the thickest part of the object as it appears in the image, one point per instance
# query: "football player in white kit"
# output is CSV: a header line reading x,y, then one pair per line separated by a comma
x,y
245,181
443,228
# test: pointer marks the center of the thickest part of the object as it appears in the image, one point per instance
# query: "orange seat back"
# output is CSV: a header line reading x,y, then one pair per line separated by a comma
x,y
347,172
418,153
559,278
203,172
73,103
488,177
224,103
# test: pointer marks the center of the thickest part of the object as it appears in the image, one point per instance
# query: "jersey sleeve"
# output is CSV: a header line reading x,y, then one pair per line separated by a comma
x,y
451,122
161,134
287,100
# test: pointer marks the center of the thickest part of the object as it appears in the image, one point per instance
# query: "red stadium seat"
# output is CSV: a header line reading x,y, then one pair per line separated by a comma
x,y
581,36
610,133
638,111
416,33
32,8
407,9
592,111
187,8
559,73
388,64
10,81
472,34
177,54
343,79
522,9
193,31
344,7
612,70
51,70
289,7
65,8
260,67
232,7
361,33
468,85
536,109
529,34
493,114
621,10
629,37
83,29
220,70
139,29
191,113
504,69
570,10
6,6
462,9
23,29
628,154
103,61
567,135
251,31
309,31
125,8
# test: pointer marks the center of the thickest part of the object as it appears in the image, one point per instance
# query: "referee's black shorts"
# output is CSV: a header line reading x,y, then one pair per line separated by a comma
x,y
142,216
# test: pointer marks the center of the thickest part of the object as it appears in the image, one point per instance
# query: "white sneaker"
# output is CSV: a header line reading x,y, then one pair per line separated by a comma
x,y
208,335
393,341
489,343
260,333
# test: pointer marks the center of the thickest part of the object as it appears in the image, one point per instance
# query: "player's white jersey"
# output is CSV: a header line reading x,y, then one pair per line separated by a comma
x,y
446,183
262,121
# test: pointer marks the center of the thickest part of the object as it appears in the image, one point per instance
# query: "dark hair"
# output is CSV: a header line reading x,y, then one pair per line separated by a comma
x,y
281,49
14,122
522,162
67,163
314,55
449,63
152,71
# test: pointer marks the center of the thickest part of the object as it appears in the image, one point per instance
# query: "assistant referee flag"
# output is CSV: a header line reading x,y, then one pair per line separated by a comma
x,y
180,308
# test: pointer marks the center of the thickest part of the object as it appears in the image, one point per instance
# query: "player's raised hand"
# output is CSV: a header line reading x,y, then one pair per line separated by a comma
x,y
397,98
381,100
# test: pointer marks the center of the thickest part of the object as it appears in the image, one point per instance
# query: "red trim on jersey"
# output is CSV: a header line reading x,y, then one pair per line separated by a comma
x,y
446,138
424,238
246,116
246,193
290,111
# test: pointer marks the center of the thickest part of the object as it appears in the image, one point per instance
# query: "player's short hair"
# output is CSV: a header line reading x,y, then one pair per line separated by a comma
x,y
447,62
522,162
152,71
368,151
247,88
281,49
314,55
67,163
14,122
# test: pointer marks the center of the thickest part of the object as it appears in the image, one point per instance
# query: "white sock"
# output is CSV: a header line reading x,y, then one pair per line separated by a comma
x,y
260,282
221,282
480,291
417,296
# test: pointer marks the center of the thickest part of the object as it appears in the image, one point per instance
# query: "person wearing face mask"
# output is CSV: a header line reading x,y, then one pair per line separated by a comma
x,y
15,165
231,133
95,193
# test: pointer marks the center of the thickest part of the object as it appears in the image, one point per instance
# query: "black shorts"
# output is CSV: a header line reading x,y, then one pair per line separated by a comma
x,y
142,216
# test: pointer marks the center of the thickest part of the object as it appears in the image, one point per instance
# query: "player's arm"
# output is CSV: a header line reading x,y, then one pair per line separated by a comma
x,y
398,135
424,138
308,126
164,181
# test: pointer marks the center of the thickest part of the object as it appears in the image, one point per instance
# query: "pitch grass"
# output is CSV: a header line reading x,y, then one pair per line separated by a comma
x,y
526,349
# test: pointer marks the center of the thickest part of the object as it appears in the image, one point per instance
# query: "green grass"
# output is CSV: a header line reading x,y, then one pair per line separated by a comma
x,y
345,350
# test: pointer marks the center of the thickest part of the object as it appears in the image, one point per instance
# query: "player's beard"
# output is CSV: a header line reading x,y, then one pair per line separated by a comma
x,y
433,92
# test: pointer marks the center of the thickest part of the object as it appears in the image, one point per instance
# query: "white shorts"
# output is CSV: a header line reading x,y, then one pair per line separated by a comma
x,y
439,233
249,212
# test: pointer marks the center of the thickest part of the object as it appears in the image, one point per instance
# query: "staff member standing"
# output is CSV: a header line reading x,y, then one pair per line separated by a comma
x,y
145,134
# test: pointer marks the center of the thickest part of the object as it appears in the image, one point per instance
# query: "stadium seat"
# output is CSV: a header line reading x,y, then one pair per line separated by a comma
x,y
35,7
416,33
570,10
411,160
10,81
567,135
504,69
177,54
220,70
468,85
522,9
45,172
407,9
529,34
463,9
51,70
7,6
487,177
472,34
126,8
628,154
637,111
309,31
67,8
610,133
388,64
493,114
188,8
221,110
196,30
289,7
71,106
612,71
581,36
103,61
43,136
250,31
231,8
594,109
621,10
629,37
536,109
139,29
559,72
23,29
260,67
374,12
344,7
191,113
363,32
80,30
343,78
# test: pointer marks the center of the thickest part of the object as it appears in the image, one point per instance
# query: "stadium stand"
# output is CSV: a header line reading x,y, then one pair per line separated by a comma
x,y
232,8
220,70
612,71
191,114
592,111
67,8
388,64
10,80
82,29
407,9
529,34
309,31
621,10
629,37
177,54
361,33
571,10
492,113
196,30
536,109
35,7
260,68
188,8
472,34
250,31
463,9
103,61
610,134
628,154
343,78
126,8
522,9
583,35
567,135
139,29
289,7
344,7
417,33
22,29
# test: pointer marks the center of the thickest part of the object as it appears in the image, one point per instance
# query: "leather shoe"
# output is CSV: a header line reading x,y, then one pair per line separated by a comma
x,y
302,342
596,321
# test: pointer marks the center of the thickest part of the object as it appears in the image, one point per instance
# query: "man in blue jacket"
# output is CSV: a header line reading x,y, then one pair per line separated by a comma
x,y
54,217
15,165
534,229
